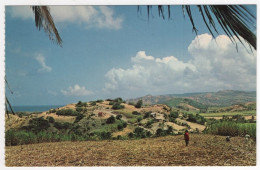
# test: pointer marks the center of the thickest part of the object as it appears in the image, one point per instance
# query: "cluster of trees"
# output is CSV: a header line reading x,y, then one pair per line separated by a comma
x,y
117,103
196,119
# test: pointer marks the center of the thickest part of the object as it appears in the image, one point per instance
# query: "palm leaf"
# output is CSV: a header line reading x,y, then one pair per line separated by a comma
x,y
43,19
235,20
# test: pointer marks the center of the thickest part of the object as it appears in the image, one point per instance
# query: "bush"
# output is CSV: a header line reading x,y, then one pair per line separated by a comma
x,y
79,109
111,120
139,104
78,118
118,117
130,135
99,101
149,123
51,119
67,112
120,127
136,113
37,124
117,106
174,114
159,132
105,135
147,115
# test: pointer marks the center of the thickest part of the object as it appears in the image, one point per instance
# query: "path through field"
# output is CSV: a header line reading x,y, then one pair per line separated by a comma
x,y
163,151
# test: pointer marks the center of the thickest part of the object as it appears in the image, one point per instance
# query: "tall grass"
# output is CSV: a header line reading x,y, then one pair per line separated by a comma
x,y
21,137
230,128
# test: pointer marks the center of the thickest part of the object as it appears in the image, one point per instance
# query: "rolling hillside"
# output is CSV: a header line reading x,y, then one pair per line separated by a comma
x,y
201,100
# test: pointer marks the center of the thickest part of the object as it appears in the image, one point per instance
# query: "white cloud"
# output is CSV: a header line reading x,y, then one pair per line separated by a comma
x,y
214,65
23,12
88,16
76,91
41,60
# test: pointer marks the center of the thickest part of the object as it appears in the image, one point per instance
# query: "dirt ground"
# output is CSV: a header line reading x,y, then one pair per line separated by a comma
x,y
204,150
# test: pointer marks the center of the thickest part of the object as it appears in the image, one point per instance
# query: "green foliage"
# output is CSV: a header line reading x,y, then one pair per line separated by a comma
x,y
105,135
147,114
149,123
93,103
52,110
117,106
159,132
232,128
111,120
136,113
196,119
78,118
61,126
67,112
51,119
118,117
100,101
79,109
139,104
37,124
173,115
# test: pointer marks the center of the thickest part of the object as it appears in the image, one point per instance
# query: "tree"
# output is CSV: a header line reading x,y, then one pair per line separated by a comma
x,y
139,104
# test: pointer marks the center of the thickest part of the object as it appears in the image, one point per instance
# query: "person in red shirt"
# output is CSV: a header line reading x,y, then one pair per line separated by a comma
x,y
186,137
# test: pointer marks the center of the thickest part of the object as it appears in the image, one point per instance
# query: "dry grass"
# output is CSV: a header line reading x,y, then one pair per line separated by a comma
x,y
204,150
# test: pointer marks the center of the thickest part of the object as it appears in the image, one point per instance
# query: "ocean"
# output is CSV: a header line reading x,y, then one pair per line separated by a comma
x,y
40,108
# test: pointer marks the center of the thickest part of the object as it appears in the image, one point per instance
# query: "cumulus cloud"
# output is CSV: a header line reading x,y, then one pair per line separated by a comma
x,y
214,65
41,60
88,16
76,91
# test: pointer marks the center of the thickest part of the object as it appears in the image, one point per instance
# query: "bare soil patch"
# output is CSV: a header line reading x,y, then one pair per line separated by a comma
x,y
204,150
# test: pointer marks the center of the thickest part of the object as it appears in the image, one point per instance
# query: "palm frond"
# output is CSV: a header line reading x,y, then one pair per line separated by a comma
x,y
235,20
43,19
7,102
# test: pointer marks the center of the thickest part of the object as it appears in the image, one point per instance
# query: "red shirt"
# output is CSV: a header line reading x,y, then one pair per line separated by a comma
x,y
186,136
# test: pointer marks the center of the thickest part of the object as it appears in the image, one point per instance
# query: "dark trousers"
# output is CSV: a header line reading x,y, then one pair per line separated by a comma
x,y
187,142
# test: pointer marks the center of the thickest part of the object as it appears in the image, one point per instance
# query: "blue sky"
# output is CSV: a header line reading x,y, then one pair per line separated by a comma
x,y
114,51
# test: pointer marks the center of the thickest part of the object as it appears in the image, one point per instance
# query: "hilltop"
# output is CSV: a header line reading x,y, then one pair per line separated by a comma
x,y
200,100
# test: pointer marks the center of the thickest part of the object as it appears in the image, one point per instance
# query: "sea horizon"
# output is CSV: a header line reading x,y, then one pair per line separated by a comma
x,y
34,108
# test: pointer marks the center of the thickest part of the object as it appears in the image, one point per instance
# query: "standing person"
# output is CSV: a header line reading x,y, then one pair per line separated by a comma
x,y
186,137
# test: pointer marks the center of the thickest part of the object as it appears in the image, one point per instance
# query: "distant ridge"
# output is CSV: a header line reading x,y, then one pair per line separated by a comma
x,y
219,98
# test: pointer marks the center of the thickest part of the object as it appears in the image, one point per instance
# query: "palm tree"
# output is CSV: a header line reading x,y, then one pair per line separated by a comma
x,y
235,20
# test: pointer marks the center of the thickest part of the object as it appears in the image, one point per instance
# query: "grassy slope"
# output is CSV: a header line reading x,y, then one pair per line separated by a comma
x,y
163,151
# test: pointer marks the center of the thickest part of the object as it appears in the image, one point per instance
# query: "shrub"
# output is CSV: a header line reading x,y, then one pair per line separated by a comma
x,y
149,123
136,113
118,117
78,118
174,114
139,119
117,106
79,109
147,114
37,124
52,110
130,135
139,104
67,112
120,127
169,130
111,120
51,119
93,103
105,135
159,132
99,101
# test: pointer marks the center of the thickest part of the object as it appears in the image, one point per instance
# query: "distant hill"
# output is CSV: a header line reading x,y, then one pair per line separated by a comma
x,y
201,100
